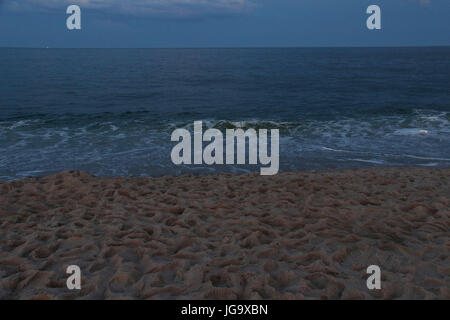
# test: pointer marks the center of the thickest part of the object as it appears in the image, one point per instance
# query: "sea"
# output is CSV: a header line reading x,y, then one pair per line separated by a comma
x,y
111,112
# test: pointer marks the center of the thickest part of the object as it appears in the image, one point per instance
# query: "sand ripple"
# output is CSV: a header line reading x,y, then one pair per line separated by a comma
x,y
307,235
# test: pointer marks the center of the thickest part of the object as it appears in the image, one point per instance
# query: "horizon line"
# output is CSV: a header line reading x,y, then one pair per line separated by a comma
x,y
236,47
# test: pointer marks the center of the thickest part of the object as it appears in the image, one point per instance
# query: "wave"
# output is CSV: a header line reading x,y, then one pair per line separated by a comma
x,y
138,143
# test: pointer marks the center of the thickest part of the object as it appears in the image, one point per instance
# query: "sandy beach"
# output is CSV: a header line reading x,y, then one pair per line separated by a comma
x,y
303,235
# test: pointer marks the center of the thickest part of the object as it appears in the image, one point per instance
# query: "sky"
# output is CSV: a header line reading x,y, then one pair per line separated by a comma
x,y
223,23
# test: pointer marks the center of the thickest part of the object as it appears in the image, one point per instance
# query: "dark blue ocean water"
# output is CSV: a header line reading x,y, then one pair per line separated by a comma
x,y
111,112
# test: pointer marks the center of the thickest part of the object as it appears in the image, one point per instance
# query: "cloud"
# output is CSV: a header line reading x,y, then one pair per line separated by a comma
x,y
170,8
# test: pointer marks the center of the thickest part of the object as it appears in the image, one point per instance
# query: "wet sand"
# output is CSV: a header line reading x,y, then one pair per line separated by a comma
x,y
303,235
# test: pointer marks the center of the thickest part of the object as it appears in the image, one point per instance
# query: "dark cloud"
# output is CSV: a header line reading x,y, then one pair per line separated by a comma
x,y
172,8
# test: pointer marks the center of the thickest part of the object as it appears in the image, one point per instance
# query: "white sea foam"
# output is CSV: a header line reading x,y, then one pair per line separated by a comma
x,y
411,131
368,161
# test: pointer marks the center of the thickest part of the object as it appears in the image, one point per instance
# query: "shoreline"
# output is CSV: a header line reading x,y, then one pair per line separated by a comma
x,y
295,235
232,174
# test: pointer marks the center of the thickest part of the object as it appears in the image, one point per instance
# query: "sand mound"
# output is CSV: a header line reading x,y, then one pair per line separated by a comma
x,y
290,236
